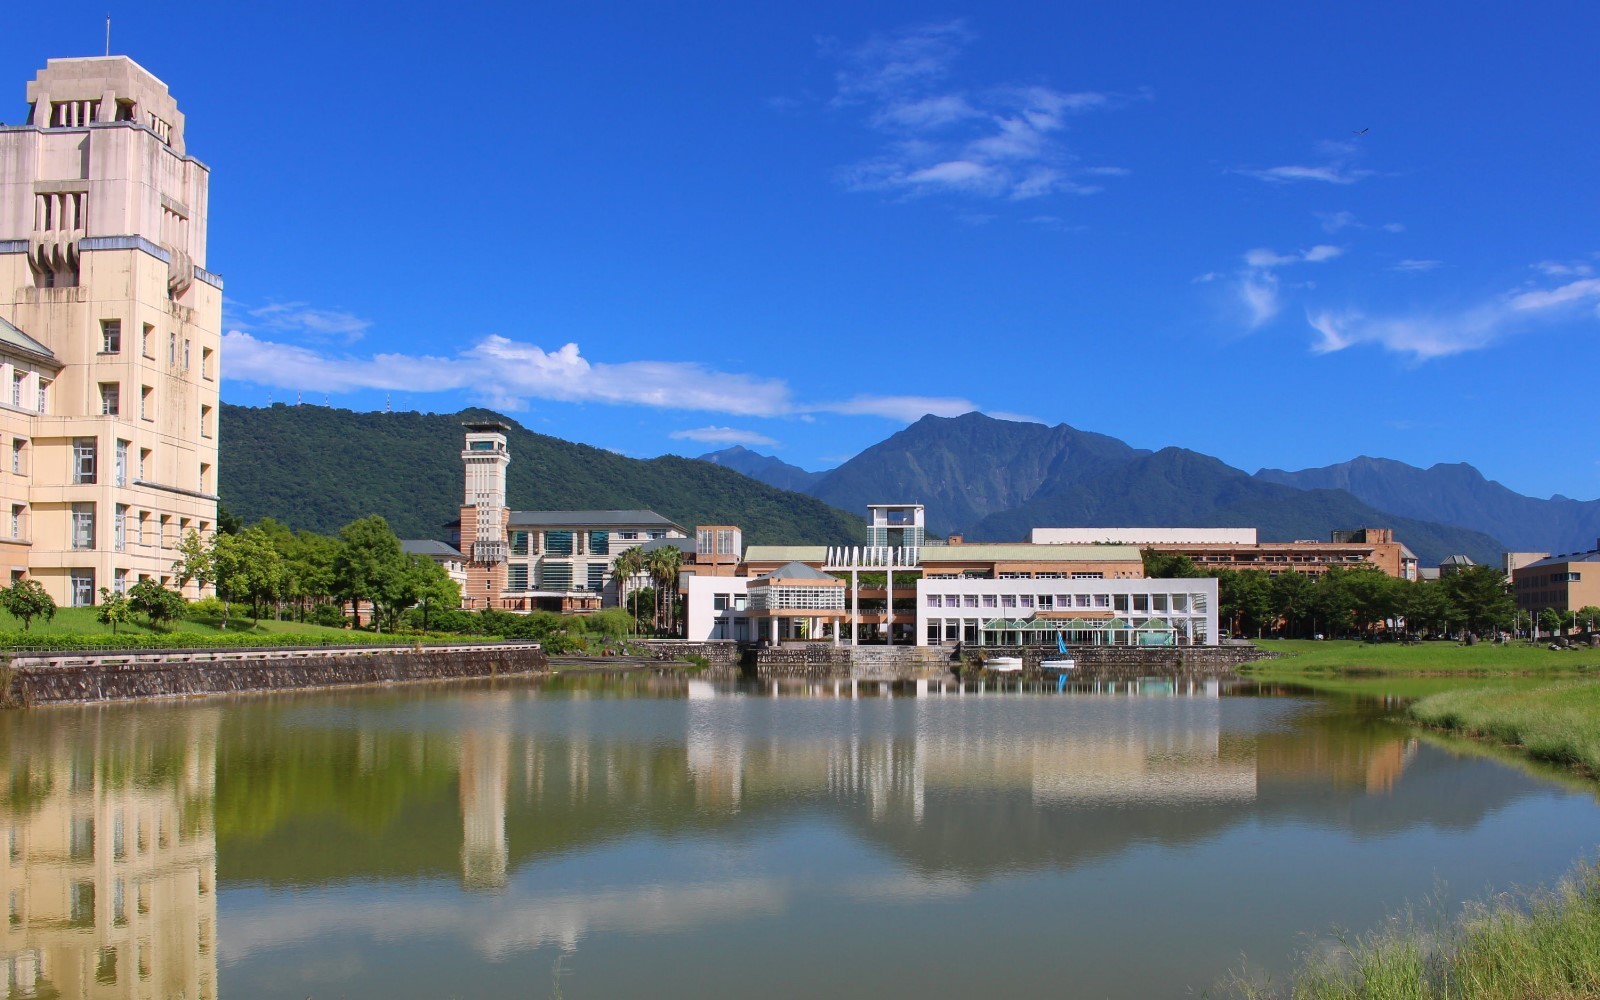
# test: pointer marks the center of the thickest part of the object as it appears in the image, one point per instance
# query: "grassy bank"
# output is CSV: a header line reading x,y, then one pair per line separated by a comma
x,y
1346,656
76,628
1546,946
1557,722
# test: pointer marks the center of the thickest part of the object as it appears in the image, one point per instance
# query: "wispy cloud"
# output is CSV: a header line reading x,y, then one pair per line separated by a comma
x,y
906,408
1565,268
1258,286
507,374
723,435
1425,336
999,141
298,319
1410,264
1335,168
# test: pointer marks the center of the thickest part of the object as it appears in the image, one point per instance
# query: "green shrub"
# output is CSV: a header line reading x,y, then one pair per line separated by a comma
x,y
330,615
206,608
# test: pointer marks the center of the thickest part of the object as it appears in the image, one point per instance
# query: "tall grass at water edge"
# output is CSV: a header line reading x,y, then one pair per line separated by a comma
x,y
1557,722
1544,947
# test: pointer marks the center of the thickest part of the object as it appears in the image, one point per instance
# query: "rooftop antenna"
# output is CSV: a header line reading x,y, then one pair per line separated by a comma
x,y
108,33
386,407
297,399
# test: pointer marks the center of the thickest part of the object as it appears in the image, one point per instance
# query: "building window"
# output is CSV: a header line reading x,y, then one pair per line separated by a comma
x,y
519,543
16,520
144,520
205,362
83,588
119,525
719,602
147,403
989,600
17,444
83,526
558,543
110,399
119,581
83,460
599,543
205,477
517,577
144,463
111,336
935,601
43,396
186,354
147,342
205,421
122,463
17,380
172,350
597,576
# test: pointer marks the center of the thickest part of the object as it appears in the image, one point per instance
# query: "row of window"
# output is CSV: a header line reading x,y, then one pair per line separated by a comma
x,y
145,531
24,399
1061,602
568,543
557,576
111,406
83,584
1547,579
111,343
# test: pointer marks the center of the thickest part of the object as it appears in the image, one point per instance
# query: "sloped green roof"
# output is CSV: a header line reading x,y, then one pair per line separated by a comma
x,y
800,571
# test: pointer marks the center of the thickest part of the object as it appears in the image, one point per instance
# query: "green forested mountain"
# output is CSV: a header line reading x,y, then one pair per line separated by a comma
x,y
318,468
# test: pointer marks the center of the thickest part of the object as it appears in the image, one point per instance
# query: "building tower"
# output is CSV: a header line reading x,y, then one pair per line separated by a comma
x,y
895,525
484,517
110,327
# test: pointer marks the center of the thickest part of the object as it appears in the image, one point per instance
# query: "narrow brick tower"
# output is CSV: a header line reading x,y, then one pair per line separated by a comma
x,y
483,513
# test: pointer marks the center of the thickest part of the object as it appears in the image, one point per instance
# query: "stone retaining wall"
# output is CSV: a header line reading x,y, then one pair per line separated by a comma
x,y
1117,663
719,653
63,679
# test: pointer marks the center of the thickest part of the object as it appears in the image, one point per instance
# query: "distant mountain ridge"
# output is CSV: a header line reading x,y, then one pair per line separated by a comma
x,y
770,470
1457,494
994,480
319,468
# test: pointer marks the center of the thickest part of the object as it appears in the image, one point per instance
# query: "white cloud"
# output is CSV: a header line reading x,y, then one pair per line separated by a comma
x,y
1258,285
298,318
1393,227
1333,222
1564,268
906,408
506,374
723,435
1258,290
1329,173
993,142
1261,257
1410,264
1426,336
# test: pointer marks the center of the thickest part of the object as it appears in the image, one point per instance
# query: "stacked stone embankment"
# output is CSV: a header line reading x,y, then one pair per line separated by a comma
x,y
64,678
1117,663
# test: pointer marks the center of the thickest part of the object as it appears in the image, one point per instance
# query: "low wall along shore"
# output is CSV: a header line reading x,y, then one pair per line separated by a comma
x,y
64,678
820,660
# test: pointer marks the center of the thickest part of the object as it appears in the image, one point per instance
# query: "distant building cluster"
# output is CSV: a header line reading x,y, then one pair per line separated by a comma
x,y
110,334
1078,586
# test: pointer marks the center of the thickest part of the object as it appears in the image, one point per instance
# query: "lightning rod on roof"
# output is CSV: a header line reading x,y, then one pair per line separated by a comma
x,y
108,33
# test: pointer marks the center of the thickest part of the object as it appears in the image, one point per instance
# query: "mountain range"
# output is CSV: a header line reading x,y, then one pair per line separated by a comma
x,y
317,468
993,480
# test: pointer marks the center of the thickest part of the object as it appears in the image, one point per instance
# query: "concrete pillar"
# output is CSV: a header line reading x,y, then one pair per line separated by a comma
x,y
855,607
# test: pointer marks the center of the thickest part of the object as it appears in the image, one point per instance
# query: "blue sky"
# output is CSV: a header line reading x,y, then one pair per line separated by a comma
x,y
1281,235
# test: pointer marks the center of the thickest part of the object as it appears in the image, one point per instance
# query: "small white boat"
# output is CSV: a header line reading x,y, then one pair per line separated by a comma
x,y
1058,663
1004,664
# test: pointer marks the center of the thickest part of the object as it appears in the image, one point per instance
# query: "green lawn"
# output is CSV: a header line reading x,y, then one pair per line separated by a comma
x,y
1557,722
1347,656
77,628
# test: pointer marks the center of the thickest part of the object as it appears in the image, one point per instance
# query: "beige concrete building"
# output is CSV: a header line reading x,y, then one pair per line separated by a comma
x,y
1566,582
1239,549
110,327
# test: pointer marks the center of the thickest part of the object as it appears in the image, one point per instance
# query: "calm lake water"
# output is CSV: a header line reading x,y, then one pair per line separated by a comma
x,y
614,838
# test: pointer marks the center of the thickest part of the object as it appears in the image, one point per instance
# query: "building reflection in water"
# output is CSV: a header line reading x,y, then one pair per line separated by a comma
x,y
110,872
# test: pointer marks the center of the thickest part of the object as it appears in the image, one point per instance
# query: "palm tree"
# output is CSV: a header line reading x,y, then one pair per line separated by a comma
x,y
628,564
663,565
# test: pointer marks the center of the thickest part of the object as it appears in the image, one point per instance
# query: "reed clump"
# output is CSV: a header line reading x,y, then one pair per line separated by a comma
x,y
1557,722
1543,946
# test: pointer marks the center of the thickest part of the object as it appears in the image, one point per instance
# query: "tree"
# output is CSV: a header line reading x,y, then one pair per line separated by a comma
x,y
113,609
435,590
628,564
1427,608
197,560
1481,595
369,554
1169,565
25,600
158,604
249,566
1588,617
1374,596
1246,601
663,564
1293,599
